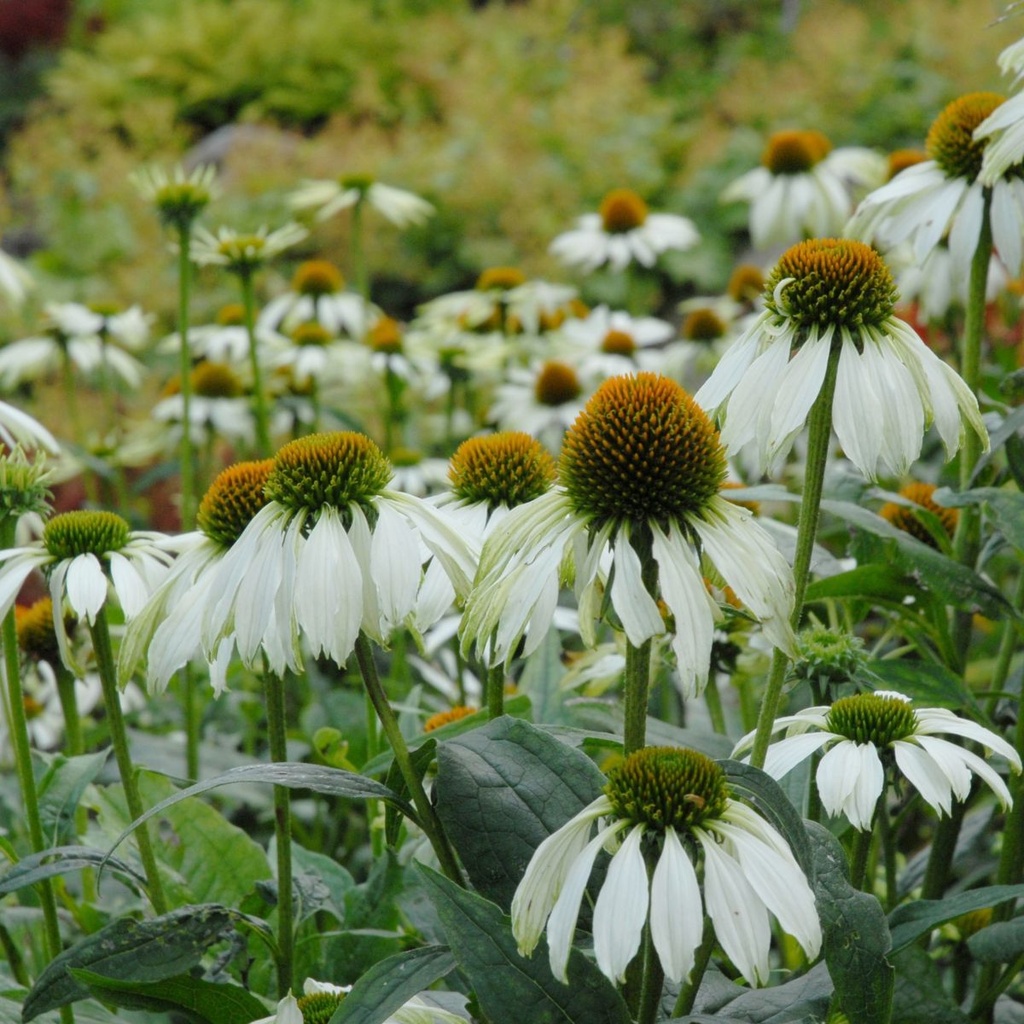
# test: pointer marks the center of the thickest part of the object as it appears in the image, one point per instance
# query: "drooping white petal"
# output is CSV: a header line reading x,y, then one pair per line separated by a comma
x,y
621,909
798,390
739,916
677,910
86,586
926,775
941,720
786,754
396,565
131,589
850,779
634,605
20,564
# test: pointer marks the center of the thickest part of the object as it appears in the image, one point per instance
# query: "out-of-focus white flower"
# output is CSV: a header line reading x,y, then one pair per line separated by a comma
x,y
329,197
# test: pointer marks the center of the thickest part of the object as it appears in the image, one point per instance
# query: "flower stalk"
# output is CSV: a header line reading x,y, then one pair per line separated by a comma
x,y
259,398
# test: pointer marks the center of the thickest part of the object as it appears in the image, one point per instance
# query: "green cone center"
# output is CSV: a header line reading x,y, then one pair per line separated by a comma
x,y
84,532
507,469
667,786
319,1007
870,718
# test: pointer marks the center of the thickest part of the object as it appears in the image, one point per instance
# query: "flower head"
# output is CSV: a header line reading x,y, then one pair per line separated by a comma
x,y
868,731
945,194
803,187
623,231
675,804
903,514
639,477
243,252
83,553
179,197
320,1000
329,197
824,294
332,552
15,280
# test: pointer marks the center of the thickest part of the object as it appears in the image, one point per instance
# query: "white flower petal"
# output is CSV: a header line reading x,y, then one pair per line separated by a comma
x,y
634,605
677,910
86,586
850,779
621,909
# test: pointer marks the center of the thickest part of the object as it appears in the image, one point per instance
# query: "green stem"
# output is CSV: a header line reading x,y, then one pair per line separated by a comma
x,y
273,690
188,479
713,701
259,398
192,719
374,808
859,857
637,680
688,990
428,819
496,691
888,843
943,848
1007,649
69,709
652,982
358,254
967,537
818,435
100,632
23,756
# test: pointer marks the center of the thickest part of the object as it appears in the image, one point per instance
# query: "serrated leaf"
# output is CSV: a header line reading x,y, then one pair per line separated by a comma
x,y
129,950
512,989
391,983
61,860
501,791
292,775
202,1001
999,943
855,934
910,921
60,789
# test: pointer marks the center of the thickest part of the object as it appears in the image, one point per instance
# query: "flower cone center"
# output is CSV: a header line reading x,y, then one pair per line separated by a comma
x,y
360,182
641,449
386,336
338,469
622,210
905,519
703,325
36,636
667,786
795,152
319,1007
951,142
746,283
231,315
84,532
316,278
215,380
500,279
234,497
311,333
870,718
507,469
618,343
832,282
556,384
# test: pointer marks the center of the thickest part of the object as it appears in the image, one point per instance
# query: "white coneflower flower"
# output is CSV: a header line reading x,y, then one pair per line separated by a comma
x,y
825,293
542,400
242,252
320,1000
15,281
1003,130
168,630
318,294
624,231
677,804
611,342
218,406
18,428
179,197
803,188
329,197
226,340
82,554
332,553
639,479
945,195
863,731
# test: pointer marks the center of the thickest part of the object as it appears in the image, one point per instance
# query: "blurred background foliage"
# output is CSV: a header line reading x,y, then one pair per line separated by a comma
x,y
513,118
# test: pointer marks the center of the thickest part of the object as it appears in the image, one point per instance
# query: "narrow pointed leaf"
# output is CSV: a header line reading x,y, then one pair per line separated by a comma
x,y
912,920
60,860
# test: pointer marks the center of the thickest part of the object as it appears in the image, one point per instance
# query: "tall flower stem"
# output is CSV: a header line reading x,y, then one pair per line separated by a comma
x,y
429,821
966,539
688,990
637,681
23,756
357,252
859,857
818,434
496,691
69,709
100,632
273,690
188,468
259,398
651,983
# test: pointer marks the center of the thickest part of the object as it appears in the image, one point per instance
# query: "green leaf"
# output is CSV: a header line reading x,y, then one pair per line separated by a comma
x,y
218,860
871,581
801,999
128,950
391,983
1005,508
541,678
318,778
60,790
512,989
202,1001
501,791
954,583
767,795
920,995
928,682
999,943
855,934
910,921
421,759
61,860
